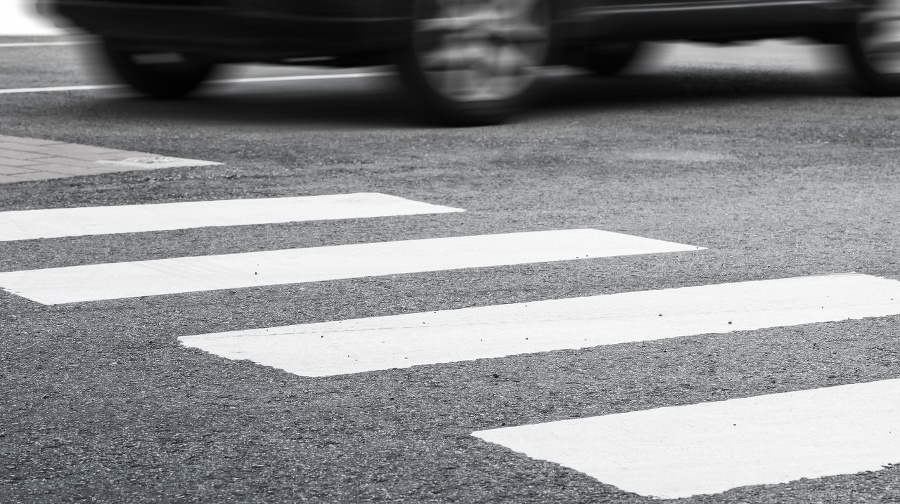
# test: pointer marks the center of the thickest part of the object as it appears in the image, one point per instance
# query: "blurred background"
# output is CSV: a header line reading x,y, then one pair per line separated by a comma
x,y
18,17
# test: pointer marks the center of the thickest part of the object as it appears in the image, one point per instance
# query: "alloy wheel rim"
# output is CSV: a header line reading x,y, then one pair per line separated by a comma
x,y
481,50
879,33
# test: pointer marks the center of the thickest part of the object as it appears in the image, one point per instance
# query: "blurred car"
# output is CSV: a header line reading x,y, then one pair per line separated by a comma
x,y
467,61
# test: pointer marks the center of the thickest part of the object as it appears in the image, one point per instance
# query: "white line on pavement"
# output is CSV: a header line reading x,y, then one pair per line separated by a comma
x,y
301,77
400,341
58,89
57,222
222,81
41,44
708,448
195,274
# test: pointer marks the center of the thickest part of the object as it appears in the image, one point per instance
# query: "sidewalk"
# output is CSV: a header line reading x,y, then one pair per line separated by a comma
x,y
25,159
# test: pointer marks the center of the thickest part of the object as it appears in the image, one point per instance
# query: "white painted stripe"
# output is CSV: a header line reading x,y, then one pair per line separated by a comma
x,y
57,89
41,44
301,77
708,448
400,341
57,222
222,81
194,274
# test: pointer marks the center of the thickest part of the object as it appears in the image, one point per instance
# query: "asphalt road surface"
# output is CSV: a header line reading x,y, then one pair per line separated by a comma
x,y
739,334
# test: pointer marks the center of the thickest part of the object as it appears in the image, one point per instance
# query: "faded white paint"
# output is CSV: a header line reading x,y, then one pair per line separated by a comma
x,y
288,78
712,447
59,89
205,273
245,80
12,45
57,222
156,162
399,341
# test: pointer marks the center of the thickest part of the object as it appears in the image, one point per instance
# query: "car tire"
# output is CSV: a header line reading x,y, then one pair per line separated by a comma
x,y
611,59
873,47
157,75
475,62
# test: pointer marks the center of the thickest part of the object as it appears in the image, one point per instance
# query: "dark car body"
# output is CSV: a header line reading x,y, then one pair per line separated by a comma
x,y
243,30
599,34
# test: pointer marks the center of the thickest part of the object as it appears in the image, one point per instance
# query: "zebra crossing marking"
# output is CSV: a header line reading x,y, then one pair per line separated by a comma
x,y
59,222
401,341
708,448
205,273
667,452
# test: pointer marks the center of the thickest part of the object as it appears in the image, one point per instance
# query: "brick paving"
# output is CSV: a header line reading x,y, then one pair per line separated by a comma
x,y
25,159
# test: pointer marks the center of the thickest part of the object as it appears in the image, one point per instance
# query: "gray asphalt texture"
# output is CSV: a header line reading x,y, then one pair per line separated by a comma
x,y
777,172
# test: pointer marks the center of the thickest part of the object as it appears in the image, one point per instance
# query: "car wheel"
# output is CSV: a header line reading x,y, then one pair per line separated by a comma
x,y
158,75
475,61
873,44
610,59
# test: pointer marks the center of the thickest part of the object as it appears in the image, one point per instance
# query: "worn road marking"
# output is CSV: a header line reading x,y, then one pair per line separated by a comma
x,y
205,273
57,89
301,77
41,44
57,222
247,80
712,447
399,341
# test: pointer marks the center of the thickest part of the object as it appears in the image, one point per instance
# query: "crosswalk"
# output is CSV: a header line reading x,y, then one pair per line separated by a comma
x,y
712,447
669,452
88,221
399,341
195,274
